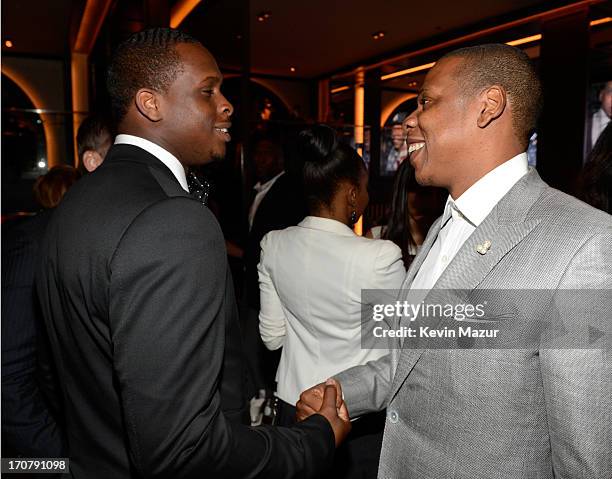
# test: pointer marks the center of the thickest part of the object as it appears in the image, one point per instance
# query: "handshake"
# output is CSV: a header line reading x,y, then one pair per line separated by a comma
x,y
326,399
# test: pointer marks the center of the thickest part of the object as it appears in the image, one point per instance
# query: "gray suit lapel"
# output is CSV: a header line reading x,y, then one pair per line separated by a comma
x,y
424,250
504,227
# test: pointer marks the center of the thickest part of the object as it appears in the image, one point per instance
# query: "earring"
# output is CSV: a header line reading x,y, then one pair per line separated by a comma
x,y
353,218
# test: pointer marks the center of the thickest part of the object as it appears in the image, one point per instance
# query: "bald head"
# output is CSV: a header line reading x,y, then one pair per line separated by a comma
x,y
510,68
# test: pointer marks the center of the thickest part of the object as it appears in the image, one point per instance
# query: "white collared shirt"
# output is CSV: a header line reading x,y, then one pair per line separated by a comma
x,y
599,121
163,155
261,192
462,216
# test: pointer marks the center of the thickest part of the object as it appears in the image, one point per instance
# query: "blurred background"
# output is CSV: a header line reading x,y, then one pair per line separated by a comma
x,y
356,65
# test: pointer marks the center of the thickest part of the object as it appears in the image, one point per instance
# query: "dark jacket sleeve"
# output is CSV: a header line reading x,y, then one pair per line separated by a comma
x,y
168,301
29,426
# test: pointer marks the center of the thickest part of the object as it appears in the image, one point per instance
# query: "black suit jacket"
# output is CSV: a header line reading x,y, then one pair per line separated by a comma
x,y
30,399
138,301
282,206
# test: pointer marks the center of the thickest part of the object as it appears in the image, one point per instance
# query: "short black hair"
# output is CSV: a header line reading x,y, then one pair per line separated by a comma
x,y
510,68
147,59
93,132
326,162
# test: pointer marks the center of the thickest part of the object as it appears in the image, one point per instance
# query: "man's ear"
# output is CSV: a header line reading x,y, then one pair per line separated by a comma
x,y
91,160
148,104
493,104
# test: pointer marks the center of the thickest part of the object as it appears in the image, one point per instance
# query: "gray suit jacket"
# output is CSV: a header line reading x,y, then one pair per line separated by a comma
x,y
503,413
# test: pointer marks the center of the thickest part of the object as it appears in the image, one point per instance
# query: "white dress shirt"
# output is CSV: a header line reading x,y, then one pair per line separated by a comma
x,y
462,216
167,158
310,278
599,121
261,189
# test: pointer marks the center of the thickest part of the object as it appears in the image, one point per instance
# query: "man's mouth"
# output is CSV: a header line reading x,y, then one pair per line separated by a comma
x,y
412,147
223,131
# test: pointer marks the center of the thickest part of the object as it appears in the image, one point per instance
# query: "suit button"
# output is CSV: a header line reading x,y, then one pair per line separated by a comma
x,y
393,416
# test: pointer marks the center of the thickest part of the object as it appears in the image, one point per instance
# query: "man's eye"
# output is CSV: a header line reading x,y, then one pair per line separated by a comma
x,y
424,101
208,92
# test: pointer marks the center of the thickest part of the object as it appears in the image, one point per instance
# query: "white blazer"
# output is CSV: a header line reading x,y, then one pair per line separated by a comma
x,y
310,279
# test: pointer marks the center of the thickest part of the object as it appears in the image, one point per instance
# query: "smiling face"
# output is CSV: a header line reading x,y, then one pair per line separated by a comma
x,y
438,131
195,114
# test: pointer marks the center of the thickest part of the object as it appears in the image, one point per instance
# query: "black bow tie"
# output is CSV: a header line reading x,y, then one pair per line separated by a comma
x,y
199,189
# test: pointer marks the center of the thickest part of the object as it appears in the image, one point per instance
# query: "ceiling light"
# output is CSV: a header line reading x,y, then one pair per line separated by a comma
x,y
263,16
339,89
522,41
600,21
401,73
292,69
8,44
378,35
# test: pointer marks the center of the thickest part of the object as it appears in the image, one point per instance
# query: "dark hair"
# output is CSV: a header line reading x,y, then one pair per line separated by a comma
x,y
93,133
596,178
510,68
147,59
325,163
50,188
398,226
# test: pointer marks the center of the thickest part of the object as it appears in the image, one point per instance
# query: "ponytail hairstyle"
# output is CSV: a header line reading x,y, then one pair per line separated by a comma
x,y
325,163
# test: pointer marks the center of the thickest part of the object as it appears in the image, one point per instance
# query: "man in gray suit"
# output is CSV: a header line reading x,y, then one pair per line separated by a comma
x,y
527,412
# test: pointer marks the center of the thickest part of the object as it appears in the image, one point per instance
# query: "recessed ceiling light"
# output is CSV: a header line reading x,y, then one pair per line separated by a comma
x,y
378,35
292,69
8,44
263,16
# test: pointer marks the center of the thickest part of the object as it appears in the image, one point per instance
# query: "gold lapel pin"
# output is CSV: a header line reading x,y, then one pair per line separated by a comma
x,y
484,247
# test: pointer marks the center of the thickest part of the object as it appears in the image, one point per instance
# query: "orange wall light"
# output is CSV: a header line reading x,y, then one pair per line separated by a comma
x,y
180,10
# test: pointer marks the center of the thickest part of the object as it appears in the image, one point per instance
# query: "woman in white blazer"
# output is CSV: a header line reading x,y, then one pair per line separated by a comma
x,y
311,276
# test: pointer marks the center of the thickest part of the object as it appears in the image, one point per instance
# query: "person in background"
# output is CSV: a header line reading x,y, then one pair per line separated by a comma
x,y
50,188
277,204
32,417
399,149
311,277
595,183
601,118
94,138
412,211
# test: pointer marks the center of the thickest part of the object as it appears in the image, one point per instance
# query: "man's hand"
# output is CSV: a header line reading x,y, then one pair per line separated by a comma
x,y
338,417
311,400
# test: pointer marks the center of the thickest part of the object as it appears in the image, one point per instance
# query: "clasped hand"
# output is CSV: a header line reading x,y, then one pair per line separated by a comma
x,y
326,399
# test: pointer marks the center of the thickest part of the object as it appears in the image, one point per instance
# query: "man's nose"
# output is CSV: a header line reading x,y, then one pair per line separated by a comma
x,y
225,106
410,122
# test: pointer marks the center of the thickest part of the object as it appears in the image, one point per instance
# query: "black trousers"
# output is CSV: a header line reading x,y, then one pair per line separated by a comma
x,y
357,457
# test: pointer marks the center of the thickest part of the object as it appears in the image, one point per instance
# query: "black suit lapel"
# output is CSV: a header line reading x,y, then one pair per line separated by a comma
x,y
163,175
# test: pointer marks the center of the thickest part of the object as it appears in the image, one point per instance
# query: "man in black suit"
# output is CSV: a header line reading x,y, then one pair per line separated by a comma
x,y
137,296
31,416
31,406
277,204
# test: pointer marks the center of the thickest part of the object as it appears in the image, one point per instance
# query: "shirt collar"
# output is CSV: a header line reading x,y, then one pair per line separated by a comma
x,y
479,199
326,224
261,187
163,155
